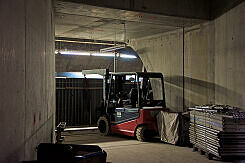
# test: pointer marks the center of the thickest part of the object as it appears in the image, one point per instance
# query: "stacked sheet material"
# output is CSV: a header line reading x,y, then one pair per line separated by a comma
x,y
219,130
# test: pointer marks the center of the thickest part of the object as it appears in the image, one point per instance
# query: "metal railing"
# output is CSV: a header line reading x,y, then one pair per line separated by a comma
x,y
77,100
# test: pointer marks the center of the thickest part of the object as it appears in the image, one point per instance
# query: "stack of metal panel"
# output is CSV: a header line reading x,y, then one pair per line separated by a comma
x,y
219,130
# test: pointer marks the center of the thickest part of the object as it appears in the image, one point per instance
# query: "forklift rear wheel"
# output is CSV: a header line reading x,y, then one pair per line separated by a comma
x,y
103,125
142,134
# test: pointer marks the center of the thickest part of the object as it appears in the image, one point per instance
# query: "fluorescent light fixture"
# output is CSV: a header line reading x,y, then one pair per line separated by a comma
x,y
127,56
103,54
93,76
73,53
113,48
61,77
77,75
84,53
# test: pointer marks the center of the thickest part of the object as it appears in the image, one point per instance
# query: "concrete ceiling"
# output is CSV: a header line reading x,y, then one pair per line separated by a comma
x,y
123,20
84,21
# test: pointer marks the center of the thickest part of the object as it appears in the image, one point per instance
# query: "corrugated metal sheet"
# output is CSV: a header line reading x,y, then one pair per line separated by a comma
x,y
77,100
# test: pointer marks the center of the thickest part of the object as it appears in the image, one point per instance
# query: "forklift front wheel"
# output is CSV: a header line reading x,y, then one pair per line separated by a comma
x,y
103,125
142,134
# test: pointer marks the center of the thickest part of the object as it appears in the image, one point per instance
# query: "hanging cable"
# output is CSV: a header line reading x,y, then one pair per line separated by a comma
x,y
125,38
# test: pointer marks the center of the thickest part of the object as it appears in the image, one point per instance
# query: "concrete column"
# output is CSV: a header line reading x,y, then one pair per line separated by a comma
x,y
27,86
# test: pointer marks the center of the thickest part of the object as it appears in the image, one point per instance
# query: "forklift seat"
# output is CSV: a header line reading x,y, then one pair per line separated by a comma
x,y
133,96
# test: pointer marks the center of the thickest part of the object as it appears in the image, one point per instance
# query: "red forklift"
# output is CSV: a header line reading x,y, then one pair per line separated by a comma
x,y
131,101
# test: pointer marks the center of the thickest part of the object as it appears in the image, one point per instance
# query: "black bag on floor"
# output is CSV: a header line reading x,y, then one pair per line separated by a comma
x,y
47,152
69,153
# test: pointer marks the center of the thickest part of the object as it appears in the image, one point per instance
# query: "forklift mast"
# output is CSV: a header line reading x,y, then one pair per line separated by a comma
x,y
106,75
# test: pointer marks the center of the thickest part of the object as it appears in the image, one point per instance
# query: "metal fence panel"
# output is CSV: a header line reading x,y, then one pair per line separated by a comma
x,y
77,100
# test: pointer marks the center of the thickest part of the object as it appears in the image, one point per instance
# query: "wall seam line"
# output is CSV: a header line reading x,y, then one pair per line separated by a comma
x,y
25,98
183,64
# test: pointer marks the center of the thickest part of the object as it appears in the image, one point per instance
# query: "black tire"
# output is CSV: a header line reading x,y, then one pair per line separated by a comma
x,y
142,134
103,125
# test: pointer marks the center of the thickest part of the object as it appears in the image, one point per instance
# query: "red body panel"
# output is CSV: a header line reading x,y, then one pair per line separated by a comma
x,y
145,117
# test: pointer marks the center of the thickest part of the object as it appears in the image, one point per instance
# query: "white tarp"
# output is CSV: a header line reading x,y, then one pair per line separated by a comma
x,y
168,125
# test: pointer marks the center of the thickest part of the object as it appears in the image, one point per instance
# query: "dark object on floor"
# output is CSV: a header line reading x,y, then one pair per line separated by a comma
x,y
60,128
69,153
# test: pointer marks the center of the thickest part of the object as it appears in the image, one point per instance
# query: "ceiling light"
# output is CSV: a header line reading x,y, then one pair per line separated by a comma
x,y
103,54
73,53
97,54
127,56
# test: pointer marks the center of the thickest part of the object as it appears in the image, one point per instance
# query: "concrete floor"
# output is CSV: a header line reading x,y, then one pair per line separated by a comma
x,y
128,150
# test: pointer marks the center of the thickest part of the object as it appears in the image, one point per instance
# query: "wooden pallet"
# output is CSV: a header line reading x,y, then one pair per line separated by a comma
x,y
202,151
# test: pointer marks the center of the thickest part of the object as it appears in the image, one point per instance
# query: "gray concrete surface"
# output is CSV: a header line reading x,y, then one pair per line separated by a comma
x,y
178,8
199,65
209,67
101,19
163,53
201,9
78,20
129,150
229,57
27,102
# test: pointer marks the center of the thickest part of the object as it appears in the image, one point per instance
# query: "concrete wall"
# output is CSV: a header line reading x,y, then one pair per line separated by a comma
x,y
163,53
69,63
210,67
199,65
27,102
229,57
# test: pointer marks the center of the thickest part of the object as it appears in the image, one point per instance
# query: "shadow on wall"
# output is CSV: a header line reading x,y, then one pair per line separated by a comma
x,y
202,89
14,155
174,97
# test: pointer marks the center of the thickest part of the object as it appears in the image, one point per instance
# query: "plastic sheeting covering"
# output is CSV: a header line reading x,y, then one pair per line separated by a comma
x,y
168,127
